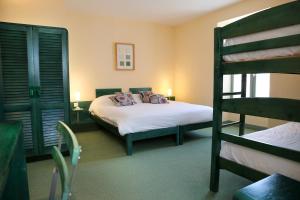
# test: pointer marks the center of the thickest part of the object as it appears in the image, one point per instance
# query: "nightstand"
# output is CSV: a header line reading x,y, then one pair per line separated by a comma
x,y
80,117
171,98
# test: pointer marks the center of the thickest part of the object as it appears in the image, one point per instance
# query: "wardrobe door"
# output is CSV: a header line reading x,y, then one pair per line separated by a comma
x,y
51,47
16,80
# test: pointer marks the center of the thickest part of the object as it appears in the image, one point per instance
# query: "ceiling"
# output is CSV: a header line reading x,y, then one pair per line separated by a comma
x,y
170,12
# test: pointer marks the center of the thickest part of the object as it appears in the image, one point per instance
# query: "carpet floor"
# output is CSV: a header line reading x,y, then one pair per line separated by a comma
x,y
157,170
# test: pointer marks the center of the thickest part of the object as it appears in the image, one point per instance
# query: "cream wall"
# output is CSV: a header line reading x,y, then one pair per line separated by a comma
x,y
91,50
193,73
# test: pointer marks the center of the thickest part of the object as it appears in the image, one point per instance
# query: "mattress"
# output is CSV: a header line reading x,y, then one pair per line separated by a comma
x,y
287,136
145,116
263,54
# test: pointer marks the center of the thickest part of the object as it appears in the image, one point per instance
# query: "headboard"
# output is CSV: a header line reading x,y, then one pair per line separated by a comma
x,y
107,91
137,90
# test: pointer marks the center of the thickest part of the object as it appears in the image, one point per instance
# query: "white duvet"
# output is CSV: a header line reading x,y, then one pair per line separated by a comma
x,y
263,54
145,116
287,135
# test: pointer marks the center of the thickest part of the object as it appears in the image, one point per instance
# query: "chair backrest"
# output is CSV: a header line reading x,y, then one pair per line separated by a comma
x,y
61,169
71,141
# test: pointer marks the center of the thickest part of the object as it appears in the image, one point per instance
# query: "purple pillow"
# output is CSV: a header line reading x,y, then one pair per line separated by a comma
x,y
123,99
158,99
145,96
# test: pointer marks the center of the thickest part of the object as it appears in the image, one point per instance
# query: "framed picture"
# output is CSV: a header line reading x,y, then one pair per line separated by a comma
x,y
124,56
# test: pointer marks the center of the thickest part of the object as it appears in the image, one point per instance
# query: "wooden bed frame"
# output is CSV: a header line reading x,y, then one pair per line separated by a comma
x,y
276,108
177,131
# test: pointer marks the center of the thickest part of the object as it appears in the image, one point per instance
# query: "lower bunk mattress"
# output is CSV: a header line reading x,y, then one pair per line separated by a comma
x,y
286,135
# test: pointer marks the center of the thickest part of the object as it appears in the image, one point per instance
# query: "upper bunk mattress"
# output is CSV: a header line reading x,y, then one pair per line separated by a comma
x,y
287,136
263,54
145,116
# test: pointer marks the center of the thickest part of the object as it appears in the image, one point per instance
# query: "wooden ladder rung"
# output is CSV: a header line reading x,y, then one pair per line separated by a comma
x,y
231,93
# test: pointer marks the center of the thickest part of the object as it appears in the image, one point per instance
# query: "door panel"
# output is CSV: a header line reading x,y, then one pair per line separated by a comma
x,y
51,83
16,79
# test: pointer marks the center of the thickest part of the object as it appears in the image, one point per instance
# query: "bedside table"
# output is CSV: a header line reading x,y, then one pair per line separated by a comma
x,y
77,110
171,98
80,117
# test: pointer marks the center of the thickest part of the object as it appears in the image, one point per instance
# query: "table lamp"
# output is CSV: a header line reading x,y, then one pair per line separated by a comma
x,y
77,99
169,92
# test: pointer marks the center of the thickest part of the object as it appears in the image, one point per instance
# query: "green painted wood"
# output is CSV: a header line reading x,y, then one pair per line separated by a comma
x,y
36,83
84,115
217,113
63,173
263,147
129,144
16,78
154,133
130,138
70,140
274,187
276,17
281,16
241,170
283,65
286,41
243,95
13,170
276,108
107,91
190,127
171,98
137,90
52,83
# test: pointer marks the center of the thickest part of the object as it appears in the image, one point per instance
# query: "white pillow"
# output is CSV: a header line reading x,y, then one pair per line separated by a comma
x,y
137,98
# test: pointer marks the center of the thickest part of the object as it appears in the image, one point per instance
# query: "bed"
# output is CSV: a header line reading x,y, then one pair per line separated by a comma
x,y
144,120
265,42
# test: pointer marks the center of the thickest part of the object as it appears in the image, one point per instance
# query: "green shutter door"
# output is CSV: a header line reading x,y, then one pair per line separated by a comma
x,y
16,79
53,83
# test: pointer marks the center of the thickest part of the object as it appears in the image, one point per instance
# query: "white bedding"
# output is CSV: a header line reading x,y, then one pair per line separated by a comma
x,y
287,135
264,54
146,116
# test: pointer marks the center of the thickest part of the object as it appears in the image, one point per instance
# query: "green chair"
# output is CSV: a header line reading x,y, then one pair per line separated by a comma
x,y
67,135
61,169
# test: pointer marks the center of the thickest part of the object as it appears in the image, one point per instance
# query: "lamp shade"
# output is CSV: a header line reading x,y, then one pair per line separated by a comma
x,y
169,92
77,96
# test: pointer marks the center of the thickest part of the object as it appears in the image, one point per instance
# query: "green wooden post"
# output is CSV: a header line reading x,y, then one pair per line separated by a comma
x,y
178,136
129,144
181,133
243,94
217,114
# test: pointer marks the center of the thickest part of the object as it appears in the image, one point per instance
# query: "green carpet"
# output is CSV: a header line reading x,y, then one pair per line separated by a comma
x,y
157,170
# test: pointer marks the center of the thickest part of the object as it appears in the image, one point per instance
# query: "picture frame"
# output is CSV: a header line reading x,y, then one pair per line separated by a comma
x,y
125,56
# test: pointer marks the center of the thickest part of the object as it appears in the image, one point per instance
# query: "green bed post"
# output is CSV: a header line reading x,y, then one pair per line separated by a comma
x,y
178,136
181,133
217,115
129,144
243,94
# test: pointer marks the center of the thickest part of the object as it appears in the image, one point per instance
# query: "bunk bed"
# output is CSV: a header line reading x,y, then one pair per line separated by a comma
x,y
177,130
265,42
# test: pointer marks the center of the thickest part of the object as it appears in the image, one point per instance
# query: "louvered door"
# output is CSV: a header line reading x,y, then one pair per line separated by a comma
x,y
53,85
16,79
